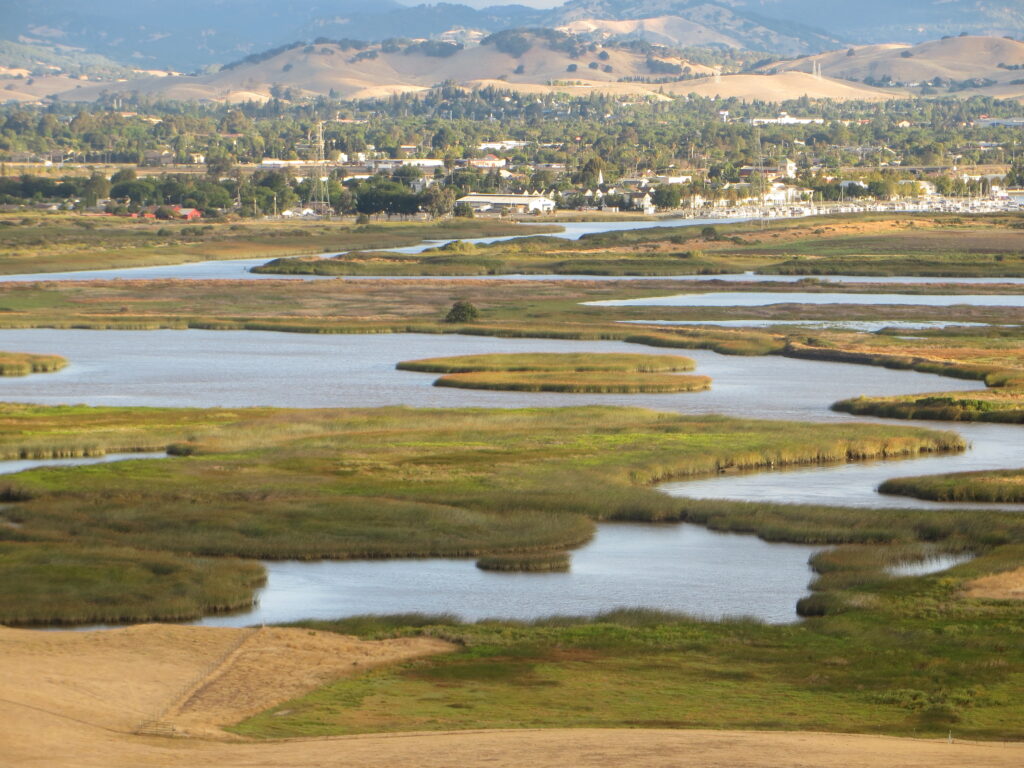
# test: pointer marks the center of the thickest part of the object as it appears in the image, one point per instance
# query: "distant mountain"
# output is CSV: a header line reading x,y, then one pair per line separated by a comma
x,y
692,22
53,59
910,21
184,35
191,35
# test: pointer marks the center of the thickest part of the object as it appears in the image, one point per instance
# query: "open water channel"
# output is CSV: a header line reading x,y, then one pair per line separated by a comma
x,y
672,567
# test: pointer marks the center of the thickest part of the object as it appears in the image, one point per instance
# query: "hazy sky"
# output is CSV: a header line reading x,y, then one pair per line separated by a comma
x,y
485,3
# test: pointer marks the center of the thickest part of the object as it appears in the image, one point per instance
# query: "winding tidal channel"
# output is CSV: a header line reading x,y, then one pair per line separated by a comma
x,y
671,567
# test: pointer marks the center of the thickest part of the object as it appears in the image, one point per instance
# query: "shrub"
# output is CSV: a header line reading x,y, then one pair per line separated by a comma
x,y
462,312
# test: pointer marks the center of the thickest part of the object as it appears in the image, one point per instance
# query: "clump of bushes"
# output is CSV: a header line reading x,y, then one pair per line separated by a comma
x,y
462,312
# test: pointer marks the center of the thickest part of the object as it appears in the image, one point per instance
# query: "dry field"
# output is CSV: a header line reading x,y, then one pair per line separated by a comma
x,y
75,700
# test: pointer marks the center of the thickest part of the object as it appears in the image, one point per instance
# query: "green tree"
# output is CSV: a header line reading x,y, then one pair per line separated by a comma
x,y
462,312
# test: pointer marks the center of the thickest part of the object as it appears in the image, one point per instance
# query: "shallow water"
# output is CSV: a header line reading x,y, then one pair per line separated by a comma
x,y
23,465
866,326
928,565
671,567
674,567
197,368
756,299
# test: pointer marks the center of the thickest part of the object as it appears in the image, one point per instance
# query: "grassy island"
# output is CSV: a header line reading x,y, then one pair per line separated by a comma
x,y
582,362
1004,405
550,372
534,562
588,383
22,364
1003,485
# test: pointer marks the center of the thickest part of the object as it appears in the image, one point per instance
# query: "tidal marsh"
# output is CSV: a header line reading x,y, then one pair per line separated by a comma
x,y
374,483
67,242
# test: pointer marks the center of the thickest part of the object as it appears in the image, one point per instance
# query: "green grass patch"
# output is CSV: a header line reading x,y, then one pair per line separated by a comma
x,y
918,662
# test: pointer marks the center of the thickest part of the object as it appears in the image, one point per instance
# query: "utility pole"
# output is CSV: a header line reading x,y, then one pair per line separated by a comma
x,y
318,194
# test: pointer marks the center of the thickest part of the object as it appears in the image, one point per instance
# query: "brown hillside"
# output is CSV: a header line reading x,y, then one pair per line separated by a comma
x,y
780,87
327,68
956,58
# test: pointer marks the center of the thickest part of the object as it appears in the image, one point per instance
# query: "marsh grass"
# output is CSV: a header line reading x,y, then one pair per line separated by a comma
x,y
23,364
57,583
1005,486
1004,406
375,483
551,361
591,383
527,562
56,243
551,372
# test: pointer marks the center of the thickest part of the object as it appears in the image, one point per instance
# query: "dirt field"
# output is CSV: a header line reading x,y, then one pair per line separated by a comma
x,y
75,700
998,586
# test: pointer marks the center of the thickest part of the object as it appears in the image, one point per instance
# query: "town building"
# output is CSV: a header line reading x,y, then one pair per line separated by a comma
x,y
522,203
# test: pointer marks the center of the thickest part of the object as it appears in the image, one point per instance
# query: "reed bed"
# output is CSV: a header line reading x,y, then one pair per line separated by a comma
x,y
1004,406
23,364
57,583
590,383
1005,486
552,372
551,361
531,562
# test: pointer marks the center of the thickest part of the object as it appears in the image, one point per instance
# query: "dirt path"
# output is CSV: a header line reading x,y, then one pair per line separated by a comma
x,y
74,699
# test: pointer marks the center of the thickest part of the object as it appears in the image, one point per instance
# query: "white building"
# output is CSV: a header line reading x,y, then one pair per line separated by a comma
x,y
491,162
481,203
785,118
506,145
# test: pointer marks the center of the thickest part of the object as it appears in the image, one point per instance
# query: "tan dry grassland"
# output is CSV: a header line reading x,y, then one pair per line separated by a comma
x,y
72,700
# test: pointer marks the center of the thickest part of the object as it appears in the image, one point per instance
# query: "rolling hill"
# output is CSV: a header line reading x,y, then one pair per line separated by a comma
x,y
978,63
516,61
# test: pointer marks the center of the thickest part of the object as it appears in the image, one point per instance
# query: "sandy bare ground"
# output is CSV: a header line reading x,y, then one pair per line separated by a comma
x,y
74,700
1008,585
